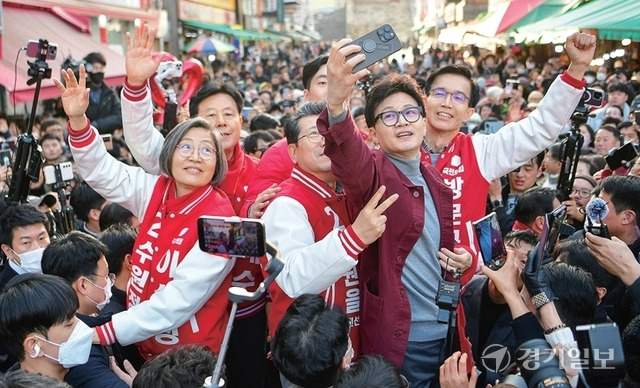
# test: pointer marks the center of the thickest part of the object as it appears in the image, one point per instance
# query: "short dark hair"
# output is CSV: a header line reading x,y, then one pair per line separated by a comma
x,y
311,68
212,88
19,216
536,201
74,255
49,123
617,87
250,143
112,214
456,70
525,236
49,136
23,379
554,149
290,122
181,366
310,342
95,57
576,297
371,371
83,199
624,191
263,121
32,303
575,252
119,240
388,86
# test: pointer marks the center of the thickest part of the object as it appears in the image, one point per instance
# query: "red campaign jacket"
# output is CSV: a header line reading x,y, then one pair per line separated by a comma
x,y
274,167
386,313
315,196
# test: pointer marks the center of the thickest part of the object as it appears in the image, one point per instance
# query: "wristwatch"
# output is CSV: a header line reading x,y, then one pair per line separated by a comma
x,y
495,204
540,300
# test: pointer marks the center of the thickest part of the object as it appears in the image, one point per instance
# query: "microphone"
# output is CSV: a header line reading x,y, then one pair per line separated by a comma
x,y
597,209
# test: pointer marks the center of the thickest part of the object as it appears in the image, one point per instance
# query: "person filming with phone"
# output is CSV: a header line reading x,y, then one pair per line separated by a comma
x,y
177,294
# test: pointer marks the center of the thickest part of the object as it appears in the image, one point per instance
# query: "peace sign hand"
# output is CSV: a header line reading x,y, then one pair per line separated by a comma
x,y
371,223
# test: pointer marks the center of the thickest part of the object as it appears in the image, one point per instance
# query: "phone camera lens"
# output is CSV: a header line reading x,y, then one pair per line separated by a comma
x,y
388,36
380,31
387,28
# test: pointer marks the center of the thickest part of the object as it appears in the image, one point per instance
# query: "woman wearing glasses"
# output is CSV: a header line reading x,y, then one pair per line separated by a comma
x,y
177,294
583,186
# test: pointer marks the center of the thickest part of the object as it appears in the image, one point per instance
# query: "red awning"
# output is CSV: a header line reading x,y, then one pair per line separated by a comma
x,y
22,25
504,16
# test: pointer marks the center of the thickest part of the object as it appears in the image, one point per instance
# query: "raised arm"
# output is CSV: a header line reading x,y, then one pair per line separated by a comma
x,y
143,140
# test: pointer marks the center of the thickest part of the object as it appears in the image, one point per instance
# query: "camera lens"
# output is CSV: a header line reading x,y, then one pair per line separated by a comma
x,y
539,366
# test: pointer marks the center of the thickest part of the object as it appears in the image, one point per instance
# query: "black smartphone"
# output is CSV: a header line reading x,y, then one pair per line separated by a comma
x,y
490,241
234,236
627,153
5,157
377,44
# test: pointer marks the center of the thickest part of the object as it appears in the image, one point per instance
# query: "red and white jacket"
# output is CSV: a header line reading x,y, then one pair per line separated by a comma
x,y
177,294
145,144
309,223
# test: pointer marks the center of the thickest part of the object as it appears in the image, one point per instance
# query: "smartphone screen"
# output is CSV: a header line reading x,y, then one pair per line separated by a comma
x,y
5,157
231,235
489,238
625,153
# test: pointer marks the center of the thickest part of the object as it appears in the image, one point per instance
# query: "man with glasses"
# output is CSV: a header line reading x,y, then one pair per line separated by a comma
x,y
468,163
309,222
79,259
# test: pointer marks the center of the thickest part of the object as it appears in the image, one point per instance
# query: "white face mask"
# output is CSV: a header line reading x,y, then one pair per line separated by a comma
x,y
601,76
31,262
589,79
107,293
75,350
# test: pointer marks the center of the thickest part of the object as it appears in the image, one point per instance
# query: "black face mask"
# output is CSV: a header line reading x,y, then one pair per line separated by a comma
x,y
96,78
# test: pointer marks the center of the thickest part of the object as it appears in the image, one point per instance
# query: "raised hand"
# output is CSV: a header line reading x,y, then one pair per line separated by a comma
x,y
340,80
371,223
580,48
139,63
75,96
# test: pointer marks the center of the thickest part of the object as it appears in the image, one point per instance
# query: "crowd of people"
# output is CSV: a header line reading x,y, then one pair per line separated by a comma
x,y
368,182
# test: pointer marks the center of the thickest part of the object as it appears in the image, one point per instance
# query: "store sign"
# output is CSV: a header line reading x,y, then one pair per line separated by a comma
x,y
119,3
201,13
222,4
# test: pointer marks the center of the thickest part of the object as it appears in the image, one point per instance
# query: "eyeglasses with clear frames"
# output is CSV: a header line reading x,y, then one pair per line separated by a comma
x,y
391,117
441,94
584,193
186,150
313,137
111,280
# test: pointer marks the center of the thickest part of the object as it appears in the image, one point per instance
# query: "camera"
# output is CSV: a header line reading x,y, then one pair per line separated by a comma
x,y
447,299
234,236
377,44
592,97
170,69
539,366
35,49
58,173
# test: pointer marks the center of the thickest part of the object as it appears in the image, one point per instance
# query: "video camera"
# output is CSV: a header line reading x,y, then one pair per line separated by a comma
x,y
70,63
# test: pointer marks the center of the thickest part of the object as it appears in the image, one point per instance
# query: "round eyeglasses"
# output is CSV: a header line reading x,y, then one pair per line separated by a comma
x,y
186,150
441,94
391,117
313,137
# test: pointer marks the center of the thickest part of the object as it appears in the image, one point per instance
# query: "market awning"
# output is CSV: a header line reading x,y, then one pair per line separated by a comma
x,y
613,20
504,16
239,34
550,8
291,34
45,25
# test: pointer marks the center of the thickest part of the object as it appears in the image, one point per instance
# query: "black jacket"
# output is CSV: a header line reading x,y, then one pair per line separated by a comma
x,y
105,115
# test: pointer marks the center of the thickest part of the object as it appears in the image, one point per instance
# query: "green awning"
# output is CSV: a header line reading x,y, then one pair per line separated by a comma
x,y
613,19
550,8
291,34
239,34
